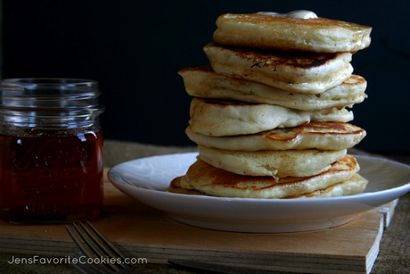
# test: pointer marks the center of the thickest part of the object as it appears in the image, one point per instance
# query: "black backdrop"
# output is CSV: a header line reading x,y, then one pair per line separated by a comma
x,y
135,48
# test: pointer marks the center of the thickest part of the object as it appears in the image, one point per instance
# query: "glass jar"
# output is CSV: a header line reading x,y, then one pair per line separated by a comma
x,y
50,150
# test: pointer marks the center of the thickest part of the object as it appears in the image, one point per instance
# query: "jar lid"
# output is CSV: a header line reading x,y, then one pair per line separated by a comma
x,y
49,93
49,102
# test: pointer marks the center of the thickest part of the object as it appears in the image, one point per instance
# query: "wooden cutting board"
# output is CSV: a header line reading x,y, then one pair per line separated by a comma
x,y
145,232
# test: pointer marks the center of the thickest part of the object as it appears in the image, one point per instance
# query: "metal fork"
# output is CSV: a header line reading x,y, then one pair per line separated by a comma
x,y
94,245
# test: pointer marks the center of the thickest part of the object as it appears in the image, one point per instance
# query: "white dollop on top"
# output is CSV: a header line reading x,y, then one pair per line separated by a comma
x,y
300,14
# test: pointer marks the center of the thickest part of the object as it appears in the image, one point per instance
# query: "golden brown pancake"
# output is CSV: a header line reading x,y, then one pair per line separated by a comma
x,y
280,163
307,72
286,33
204,83
217,182
176,187
355,185
325,136
229,118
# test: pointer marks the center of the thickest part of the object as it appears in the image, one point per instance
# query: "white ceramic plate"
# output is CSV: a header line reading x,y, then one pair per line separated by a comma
x,y
147,179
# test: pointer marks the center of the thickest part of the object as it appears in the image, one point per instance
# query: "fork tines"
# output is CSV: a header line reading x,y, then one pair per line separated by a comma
x,y
94,245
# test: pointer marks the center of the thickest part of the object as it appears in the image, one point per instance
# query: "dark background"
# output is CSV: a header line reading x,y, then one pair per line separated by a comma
x,y
135,48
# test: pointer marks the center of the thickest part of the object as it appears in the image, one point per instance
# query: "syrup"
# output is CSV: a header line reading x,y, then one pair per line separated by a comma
x,y
51,177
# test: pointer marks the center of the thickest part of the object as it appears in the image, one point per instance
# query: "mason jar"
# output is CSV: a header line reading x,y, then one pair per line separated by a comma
x,y
51,165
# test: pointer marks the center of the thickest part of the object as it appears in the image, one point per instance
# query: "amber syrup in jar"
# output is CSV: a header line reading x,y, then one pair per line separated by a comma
x,y
51,164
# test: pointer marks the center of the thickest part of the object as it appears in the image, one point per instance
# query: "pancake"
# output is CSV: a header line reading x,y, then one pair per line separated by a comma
x,y
227,118
322,136
177,187
307,72
205,83
217,182
278,163
286,33
354,185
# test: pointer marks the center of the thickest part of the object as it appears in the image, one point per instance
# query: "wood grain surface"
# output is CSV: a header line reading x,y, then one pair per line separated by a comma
x,y
142,231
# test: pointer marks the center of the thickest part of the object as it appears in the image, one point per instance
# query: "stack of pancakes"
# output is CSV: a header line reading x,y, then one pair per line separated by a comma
x,y
271,117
